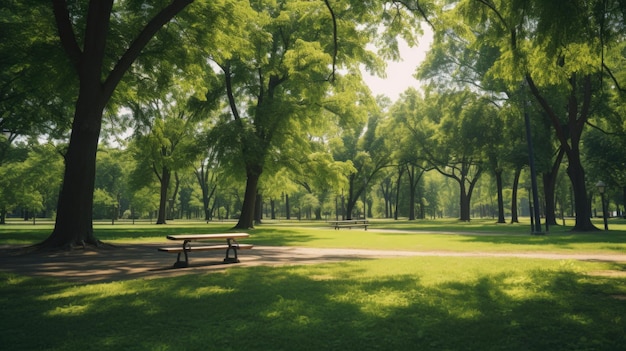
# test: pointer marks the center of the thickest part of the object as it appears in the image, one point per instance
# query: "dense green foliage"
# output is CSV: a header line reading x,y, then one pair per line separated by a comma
x,y
254,110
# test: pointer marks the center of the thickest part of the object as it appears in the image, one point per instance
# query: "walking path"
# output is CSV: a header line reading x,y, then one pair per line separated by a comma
x,y
144,261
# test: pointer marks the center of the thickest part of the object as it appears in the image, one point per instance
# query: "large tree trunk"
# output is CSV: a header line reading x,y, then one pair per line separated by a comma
x,y
246,219
73,226
576,175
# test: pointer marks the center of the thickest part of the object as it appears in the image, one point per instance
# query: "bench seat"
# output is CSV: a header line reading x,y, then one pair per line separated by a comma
x,y
350,223
179,249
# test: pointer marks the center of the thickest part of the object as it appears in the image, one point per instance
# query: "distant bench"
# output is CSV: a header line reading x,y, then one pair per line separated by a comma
x,y
349,223
231,246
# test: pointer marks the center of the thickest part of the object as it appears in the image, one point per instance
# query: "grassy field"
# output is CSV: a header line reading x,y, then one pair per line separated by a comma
x,y
418,303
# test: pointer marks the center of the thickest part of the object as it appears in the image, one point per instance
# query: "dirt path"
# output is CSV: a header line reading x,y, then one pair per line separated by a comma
x,y
144,261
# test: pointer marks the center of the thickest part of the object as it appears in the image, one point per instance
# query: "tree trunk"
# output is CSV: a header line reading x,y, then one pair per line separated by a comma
x,y
549,188
516,176
583,208
569,138
397,202
624,201
246,219
548,192
73,226
165,183
258,209
500,196
74,221
464,204
411,201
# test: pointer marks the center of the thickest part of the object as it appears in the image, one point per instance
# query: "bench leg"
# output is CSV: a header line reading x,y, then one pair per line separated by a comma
x,y
185,263
232,245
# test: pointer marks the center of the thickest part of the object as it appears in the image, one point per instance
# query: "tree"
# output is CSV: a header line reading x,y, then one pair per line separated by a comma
x,y
448,129
89,35
282,68
554,47
27,181
365,148
32,101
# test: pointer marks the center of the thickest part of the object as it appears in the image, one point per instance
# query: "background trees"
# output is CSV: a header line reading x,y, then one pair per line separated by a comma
x,y
264,102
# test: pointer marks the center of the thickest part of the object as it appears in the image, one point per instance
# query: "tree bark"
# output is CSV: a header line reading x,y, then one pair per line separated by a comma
x,y
73,226
464,203
246,219
258,209
397,202
165,182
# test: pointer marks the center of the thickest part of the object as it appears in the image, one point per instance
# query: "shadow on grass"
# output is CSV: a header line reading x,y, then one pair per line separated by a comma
x,y
557,239
326,307
275,236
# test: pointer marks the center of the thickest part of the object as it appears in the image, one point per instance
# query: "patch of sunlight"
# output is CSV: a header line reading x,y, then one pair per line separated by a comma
x,y
466,313
68,310
570,266
15,279
377,303
578,318
322,277
93,290
204,291
291,310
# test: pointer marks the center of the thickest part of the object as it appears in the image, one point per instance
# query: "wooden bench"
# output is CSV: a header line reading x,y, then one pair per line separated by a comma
x,y
349,223
231,246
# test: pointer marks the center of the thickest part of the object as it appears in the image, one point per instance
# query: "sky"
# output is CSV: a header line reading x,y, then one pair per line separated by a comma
x,y
400,74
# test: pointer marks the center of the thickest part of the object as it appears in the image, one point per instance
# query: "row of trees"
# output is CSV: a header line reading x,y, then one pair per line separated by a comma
x,y
126,189
273,91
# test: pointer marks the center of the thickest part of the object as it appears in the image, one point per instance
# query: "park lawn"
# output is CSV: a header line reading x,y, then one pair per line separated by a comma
x,y
418,303
437,235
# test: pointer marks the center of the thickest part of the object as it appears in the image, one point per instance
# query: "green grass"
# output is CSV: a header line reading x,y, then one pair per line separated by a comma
x,y
389,304
479,235
417,303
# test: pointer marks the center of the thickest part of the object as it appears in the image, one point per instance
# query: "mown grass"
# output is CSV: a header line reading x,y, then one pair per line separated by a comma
x,y
417,303
438,235
434,303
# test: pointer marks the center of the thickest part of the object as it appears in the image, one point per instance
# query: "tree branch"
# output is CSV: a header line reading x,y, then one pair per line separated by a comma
x,y
148,32
66,32
420,10
613,78
335,44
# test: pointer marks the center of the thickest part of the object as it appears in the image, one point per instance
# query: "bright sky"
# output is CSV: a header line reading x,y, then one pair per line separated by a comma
x,y
400,74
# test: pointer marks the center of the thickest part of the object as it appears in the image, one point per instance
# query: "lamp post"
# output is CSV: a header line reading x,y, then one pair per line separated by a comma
x,y
536,226
601,188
